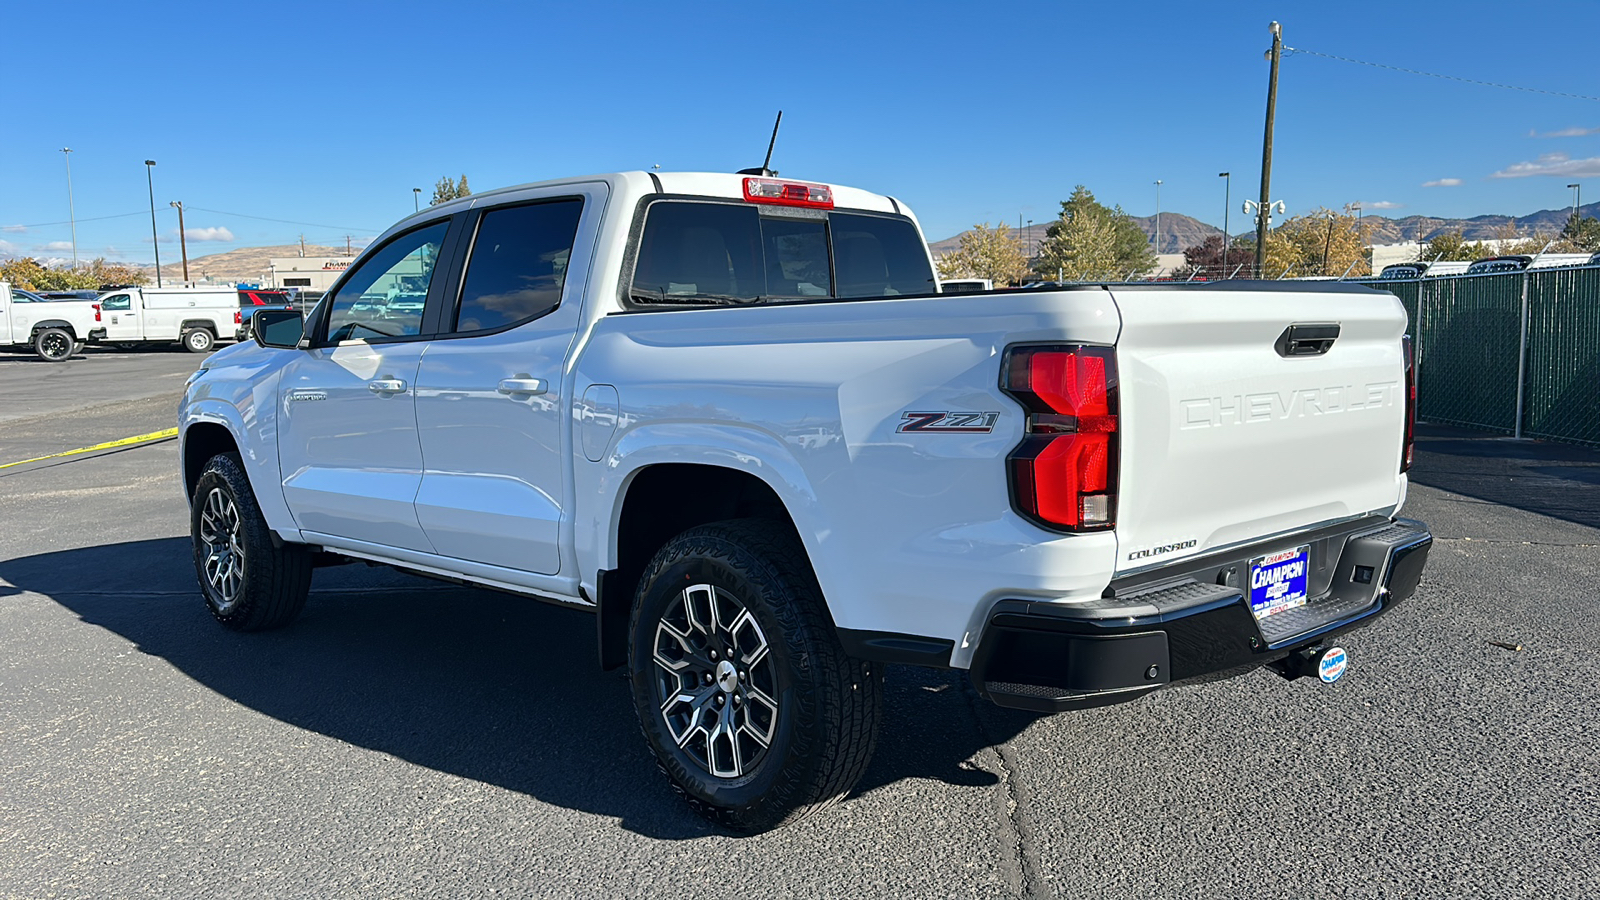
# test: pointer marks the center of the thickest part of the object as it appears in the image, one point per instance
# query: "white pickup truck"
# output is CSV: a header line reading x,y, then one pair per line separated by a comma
x,y
192,316
733,417
54,329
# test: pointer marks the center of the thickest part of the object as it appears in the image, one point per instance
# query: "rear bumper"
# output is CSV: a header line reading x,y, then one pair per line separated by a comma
x,y
1194,626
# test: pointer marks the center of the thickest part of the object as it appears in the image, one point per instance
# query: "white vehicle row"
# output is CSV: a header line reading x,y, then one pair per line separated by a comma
x,y
195,317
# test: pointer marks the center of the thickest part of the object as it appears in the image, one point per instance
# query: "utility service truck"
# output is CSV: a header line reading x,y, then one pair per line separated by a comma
x,y
195,317
734,418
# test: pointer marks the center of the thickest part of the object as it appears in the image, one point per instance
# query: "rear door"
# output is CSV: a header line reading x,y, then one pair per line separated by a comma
x,y
1227,440
490,409
347,438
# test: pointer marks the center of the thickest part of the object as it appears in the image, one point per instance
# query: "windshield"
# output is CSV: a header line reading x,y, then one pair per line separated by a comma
x,y
730,253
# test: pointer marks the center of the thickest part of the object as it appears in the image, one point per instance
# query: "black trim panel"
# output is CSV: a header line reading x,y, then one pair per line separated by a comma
x,y
891,647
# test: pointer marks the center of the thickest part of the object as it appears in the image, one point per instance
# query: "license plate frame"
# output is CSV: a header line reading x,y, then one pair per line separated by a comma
x,y
1277,583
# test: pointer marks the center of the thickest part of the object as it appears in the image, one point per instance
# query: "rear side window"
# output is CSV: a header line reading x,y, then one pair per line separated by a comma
x,y
698,253
518,264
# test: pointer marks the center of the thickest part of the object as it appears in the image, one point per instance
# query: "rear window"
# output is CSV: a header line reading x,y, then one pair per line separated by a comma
x,y
726,253
263,298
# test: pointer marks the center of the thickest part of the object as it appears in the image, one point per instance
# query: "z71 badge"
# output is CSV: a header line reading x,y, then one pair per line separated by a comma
x,y
948,422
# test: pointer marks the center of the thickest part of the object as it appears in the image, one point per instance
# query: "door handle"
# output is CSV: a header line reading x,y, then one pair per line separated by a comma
x,y
386,386
522,386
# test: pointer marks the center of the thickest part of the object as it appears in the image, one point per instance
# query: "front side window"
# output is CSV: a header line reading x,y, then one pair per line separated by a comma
x,y
706,253
385,296
116,302
518,264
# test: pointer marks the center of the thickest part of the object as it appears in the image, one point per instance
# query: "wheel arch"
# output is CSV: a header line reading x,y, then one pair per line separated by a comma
x,y
54,323
202,441
659,502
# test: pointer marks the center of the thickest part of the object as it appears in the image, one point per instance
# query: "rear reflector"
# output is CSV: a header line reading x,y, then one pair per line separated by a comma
x,y
788,193
1064,473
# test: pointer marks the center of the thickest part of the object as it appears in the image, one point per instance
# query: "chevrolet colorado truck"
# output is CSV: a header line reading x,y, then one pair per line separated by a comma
x,y
734,418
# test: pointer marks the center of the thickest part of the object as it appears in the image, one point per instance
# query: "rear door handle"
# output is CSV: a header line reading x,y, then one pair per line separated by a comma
x,y
386,386
522,386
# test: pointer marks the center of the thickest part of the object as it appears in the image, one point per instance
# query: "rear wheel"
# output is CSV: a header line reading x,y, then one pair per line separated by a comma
x,y
249,584
53,344
753,709
198,340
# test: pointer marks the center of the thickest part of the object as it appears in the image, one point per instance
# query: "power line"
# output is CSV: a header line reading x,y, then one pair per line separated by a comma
x,y
221,212
69,222
1509,87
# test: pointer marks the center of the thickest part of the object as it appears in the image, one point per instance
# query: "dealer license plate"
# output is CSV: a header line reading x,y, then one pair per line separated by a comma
x,y
1279,581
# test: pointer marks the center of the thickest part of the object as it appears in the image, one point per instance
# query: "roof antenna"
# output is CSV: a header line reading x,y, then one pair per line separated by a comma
x,y
766,169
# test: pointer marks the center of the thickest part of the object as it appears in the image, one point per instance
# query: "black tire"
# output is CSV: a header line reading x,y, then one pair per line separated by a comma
x,y
54,344
822,722
199,340
249,583
126,346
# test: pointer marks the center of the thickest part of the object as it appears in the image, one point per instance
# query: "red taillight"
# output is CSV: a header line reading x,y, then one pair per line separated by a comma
x,y
788,193
1408,448
1064,473
97,312
238,317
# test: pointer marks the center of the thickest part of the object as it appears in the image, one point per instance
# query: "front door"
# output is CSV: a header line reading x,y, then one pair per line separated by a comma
x,y
347,436
120,319
489,394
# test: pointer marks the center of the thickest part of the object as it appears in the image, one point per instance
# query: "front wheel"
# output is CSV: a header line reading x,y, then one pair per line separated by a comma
x,y
198,340
249,584
53,344
753,708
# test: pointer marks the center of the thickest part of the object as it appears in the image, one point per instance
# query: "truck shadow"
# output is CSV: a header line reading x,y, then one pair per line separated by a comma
x,y
486,686
1557,480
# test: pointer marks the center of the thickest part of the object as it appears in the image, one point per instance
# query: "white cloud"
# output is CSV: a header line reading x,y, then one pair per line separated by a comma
x,y
1443,182
1381,204
57,245
9,249
1564,132
13,229
208,234
1558,165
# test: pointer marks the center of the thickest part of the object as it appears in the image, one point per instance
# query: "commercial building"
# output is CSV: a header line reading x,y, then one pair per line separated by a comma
x,y
308,273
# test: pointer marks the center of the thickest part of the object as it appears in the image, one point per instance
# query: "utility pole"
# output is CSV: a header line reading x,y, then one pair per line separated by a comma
x,y
347,245
1156,239
1263,212
71,215
155,242
302,246
183,240
1227,201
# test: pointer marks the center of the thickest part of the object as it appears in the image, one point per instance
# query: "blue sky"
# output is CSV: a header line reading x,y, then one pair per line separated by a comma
x,y
329,114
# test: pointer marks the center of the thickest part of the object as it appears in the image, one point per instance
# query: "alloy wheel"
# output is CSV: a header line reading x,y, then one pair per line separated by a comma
x,y
224,562
715,681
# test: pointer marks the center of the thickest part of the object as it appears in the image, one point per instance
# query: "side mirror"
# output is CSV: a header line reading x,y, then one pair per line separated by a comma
x,y
281,328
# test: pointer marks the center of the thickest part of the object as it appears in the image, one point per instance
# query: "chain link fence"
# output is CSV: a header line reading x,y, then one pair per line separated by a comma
x,y
1517,352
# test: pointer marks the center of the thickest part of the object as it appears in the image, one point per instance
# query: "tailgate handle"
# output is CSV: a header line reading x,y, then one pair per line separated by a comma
x,y
1307,340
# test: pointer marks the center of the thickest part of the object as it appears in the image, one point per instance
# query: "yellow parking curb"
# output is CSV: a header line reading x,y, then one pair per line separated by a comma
x,y
108,445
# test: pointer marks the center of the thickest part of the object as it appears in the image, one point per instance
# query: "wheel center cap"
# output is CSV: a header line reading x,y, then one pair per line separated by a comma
x,y
727,676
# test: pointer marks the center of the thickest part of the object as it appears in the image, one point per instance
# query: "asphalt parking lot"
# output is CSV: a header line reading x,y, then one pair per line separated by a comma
x,y
407,738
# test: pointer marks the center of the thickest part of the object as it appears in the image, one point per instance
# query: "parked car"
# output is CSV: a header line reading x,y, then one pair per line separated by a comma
x,y
53,329
734,419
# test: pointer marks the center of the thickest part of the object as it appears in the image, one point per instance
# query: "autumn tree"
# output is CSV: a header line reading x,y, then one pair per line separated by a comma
x,y
1089,241
1322,242
32,275
446,190
1206,258
984,252
1581,234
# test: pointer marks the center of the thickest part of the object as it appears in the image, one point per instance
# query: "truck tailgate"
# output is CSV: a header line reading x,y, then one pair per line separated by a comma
x,y
1225,441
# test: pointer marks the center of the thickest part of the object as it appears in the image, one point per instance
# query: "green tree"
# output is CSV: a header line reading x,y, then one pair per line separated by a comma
x,y
1581,234
446,190
1448,245
1089,241
984,252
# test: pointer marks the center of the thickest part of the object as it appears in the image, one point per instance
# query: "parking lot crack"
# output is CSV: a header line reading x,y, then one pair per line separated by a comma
x,y
1026,867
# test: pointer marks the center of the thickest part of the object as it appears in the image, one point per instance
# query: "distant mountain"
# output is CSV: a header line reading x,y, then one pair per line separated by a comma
x,y
240,264
1180,232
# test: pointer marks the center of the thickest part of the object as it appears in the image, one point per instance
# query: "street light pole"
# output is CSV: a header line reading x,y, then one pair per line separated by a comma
x,y
71,215
1263,208
1157,240
416,199
1227,201
1577,201
183,243
154,241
